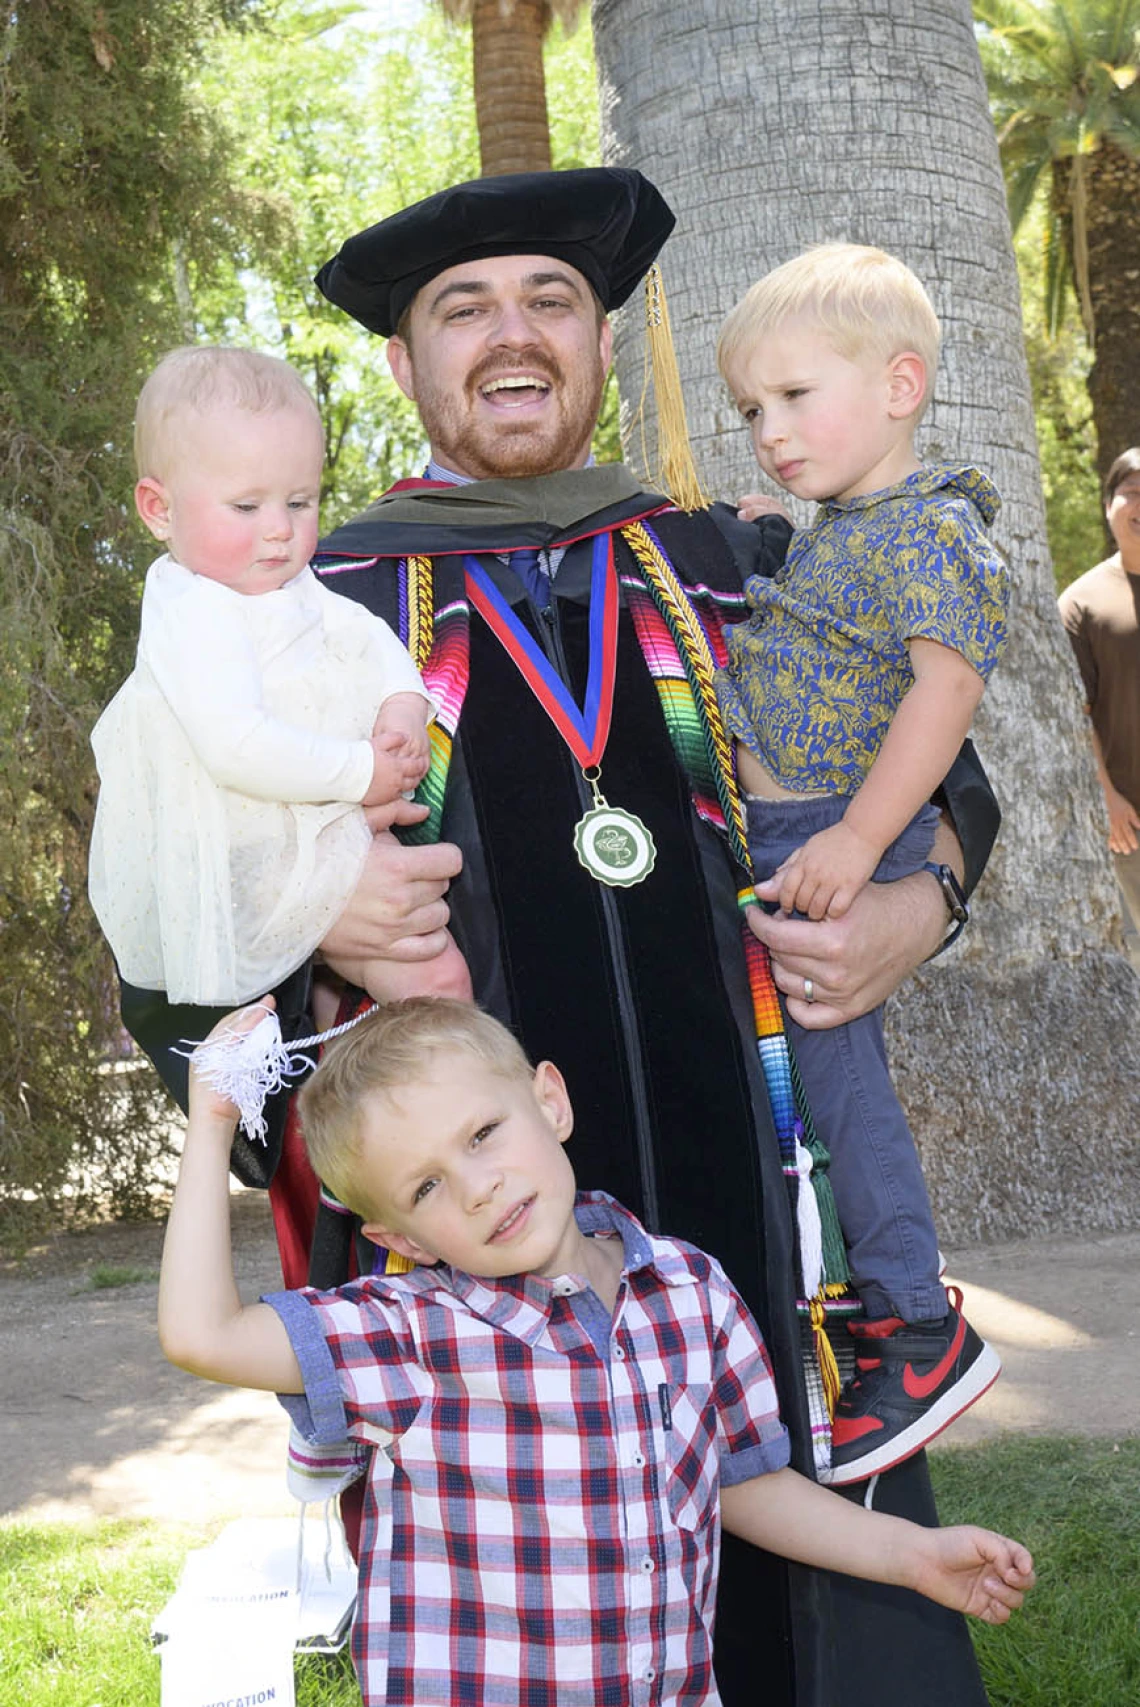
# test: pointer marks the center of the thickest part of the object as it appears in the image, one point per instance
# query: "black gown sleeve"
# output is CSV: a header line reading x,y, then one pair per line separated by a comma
x,y
759,548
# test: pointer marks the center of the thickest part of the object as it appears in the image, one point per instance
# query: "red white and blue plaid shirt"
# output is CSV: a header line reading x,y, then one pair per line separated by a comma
x,y
541,1527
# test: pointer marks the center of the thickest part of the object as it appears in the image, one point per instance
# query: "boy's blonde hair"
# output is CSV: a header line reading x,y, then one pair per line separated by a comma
x,y
198,377
862,299
392,1048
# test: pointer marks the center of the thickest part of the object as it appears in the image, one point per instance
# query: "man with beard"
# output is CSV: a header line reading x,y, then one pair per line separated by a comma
x,y
579,810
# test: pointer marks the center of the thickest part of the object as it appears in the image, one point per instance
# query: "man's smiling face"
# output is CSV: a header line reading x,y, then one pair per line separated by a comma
x,y
505,359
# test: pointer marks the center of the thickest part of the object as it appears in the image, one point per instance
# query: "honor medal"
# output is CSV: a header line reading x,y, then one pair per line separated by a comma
x,y
615,847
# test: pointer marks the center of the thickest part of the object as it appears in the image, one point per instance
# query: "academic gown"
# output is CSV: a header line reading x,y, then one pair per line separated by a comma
x,y
640,996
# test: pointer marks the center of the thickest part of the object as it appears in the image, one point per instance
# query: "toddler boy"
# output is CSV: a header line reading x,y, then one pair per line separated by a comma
x,y
849,692
560,1407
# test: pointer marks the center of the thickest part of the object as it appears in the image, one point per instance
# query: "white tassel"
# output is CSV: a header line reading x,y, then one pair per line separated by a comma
x,y
245,1067
810,1227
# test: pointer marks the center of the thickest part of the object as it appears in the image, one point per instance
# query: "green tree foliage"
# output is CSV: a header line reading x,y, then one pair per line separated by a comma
x,y
1064,82
336,124
340,121
110,166
168,173
1066,441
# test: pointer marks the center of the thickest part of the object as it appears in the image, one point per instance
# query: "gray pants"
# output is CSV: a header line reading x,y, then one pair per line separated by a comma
x,y
876,1174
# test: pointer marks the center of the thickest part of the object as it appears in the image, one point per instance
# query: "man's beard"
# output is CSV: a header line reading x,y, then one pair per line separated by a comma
x,y
506,449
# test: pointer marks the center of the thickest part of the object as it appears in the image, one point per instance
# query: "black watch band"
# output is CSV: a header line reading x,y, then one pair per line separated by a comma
x,y
955,899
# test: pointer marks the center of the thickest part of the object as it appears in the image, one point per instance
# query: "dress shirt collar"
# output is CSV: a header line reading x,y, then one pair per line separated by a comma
x,y
521,1304
448,476
958,479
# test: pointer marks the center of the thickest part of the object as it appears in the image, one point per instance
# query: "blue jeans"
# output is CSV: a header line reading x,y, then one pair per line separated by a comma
x,y
876,1174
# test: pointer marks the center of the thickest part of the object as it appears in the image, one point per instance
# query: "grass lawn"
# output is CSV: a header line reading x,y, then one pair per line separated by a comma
x,y
76,1605
76,1602
1076,1505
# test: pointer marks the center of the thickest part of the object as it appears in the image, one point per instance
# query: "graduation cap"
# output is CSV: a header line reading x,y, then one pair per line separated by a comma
x,y
608,222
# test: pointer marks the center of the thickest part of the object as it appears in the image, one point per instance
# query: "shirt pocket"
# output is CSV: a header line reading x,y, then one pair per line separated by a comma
x,y
688,1417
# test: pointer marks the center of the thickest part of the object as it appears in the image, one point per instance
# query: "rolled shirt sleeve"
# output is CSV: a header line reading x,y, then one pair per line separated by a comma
x,y
752,1441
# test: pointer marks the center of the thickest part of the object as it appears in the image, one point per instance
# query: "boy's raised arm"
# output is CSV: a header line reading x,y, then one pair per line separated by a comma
x,y
971,1570
203,1326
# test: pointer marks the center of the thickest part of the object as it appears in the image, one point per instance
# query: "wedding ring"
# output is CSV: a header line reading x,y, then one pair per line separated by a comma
x,y
809,990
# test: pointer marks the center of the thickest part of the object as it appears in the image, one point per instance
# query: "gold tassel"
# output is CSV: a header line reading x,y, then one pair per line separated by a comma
x,y
824,1355
677,471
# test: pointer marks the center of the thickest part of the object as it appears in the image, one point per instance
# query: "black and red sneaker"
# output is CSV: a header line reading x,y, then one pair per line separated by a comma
x,y
910,1383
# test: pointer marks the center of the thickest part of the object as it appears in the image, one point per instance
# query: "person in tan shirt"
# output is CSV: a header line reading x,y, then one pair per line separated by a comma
x,y
1101,614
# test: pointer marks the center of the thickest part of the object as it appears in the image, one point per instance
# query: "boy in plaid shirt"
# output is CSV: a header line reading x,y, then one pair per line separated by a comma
x,y
561,1409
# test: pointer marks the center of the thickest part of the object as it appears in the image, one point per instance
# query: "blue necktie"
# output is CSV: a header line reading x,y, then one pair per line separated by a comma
x,y
525,564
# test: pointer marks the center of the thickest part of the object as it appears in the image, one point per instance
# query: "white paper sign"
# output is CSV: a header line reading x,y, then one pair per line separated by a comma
x,y
254,1560
230,1650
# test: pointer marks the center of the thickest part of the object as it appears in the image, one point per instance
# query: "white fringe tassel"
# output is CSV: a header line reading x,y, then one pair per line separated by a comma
x,y
809,1224
246,1067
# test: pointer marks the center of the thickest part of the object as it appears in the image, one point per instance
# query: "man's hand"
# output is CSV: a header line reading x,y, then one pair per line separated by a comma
x,y
753,505
397,911
1123,822
389,980
856,962
823,877
399,811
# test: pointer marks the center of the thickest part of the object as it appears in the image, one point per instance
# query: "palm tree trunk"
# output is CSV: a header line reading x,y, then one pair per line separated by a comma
x,y
510,86
1113,220
868,120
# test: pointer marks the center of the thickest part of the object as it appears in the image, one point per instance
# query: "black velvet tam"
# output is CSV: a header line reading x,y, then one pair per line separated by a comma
x,y
608,221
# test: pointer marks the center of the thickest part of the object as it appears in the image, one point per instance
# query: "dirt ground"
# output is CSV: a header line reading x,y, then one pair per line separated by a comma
x,y
94,1422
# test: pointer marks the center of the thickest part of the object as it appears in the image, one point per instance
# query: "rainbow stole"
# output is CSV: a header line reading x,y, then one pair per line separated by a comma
x,y
681,635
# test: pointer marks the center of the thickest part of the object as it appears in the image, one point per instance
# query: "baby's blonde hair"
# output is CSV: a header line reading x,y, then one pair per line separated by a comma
x,y
197,378
862,299
392,1048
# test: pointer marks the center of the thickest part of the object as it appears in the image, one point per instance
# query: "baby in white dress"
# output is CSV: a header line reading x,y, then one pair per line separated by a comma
x,y
264,713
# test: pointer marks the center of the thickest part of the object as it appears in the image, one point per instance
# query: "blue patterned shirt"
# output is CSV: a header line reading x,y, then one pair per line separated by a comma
x,y
816,674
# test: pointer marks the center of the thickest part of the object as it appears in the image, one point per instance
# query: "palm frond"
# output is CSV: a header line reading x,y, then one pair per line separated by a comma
x,y
1021,188
1058,288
